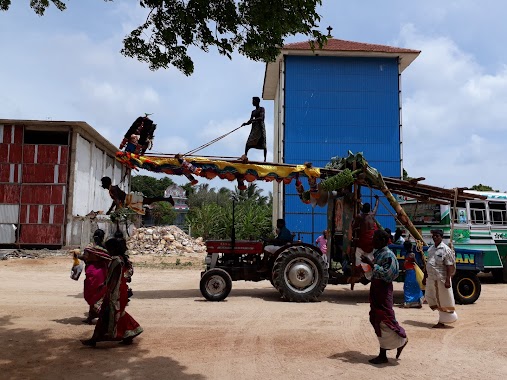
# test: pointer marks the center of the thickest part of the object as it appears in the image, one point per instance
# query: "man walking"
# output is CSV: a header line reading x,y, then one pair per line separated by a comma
x,y
440,267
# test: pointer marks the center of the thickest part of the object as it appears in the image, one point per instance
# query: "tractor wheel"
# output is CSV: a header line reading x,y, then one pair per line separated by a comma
x,y
216,284
300,274
466,288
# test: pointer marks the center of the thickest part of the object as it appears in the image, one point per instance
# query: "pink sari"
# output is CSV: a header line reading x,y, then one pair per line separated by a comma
x,y
96,272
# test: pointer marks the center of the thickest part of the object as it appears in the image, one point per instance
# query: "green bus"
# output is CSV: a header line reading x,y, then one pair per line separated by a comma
x,y
478,225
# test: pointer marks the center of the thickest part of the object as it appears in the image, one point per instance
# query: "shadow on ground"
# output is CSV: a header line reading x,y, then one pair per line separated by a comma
x,y
31,354
340,294
356,357
417,323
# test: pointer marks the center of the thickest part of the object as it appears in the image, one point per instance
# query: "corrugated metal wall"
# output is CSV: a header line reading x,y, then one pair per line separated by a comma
x,y
333,105
33,184
10,179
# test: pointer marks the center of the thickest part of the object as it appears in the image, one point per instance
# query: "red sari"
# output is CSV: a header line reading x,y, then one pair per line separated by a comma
x,y
114,322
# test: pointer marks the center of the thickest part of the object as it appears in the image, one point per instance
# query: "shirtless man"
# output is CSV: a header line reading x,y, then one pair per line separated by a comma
x,y
120,198
364,226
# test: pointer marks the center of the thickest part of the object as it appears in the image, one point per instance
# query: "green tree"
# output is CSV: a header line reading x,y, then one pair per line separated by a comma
x,y
203,194
253,220
208,221
150,186
481,187
163,214
210,214
252,192
254,28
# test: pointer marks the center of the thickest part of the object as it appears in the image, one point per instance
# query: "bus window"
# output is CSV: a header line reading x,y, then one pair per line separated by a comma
x,y
460,215
478,213
497,212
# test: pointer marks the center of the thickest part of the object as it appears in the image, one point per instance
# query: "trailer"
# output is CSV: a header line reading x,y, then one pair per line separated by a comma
x,y
298,270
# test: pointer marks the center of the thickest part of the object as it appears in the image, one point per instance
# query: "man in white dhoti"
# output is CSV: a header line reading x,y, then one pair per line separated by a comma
x,y
440,267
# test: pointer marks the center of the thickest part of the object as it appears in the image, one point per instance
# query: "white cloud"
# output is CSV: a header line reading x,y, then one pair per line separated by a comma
x,y
68,66
454,115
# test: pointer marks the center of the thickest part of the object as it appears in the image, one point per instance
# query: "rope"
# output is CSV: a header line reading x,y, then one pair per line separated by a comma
x,y
419,247
211,142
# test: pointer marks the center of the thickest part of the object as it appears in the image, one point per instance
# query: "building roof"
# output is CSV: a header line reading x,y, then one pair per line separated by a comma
x,y
334,44
333,48
81,127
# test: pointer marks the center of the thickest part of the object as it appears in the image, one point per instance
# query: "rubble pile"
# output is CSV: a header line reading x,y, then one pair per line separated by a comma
x,y
164,240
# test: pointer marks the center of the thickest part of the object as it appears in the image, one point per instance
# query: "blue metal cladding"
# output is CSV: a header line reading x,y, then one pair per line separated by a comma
x,y
333,105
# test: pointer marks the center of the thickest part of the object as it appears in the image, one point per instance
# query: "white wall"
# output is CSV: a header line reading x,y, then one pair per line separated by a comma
x,y
91,164
278,153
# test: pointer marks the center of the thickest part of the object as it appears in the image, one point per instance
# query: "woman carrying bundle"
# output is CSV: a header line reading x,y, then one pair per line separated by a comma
x,y
97,260
114,323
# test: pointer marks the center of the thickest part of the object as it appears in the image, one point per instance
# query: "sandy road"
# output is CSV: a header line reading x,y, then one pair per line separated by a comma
x,y
251,335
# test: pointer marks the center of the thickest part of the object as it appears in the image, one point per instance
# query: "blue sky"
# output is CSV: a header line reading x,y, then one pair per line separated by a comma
x,y
67,66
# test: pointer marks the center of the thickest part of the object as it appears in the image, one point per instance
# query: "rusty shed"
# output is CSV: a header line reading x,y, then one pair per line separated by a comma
x,y
50,175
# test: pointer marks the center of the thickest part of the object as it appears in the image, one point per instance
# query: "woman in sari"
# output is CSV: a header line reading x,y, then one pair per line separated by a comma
x,y
411,290
385,269
114,323
97,260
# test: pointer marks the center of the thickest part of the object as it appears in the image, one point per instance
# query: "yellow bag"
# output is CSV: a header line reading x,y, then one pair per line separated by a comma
x,y
419,275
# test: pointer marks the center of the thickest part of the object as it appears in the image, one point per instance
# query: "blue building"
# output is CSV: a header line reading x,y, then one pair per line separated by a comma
x,y
345,96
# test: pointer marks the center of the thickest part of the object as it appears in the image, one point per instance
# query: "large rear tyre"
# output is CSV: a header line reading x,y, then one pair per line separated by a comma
x,y
466,288
216,284
300,273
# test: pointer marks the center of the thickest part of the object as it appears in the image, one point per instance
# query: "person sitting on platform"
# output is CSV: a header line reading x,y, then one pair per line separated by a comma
x,y
283,237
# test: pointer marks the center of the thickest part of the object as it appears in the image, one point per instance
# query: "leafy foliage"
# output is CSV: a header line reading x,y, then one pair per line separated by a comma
x,y
150,186
210,213
39,6
255,28
163,214
481,187
203,195
338,181
252,192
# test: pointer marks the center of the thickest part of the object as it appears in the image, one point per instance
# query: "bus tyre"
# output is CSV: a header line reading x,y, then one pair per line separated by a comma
x,y
300,273
466,288
500,274
216,284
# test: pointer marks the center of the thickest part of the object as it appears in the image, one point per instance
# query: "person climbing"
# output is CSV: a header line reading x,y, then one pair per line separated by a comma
x,y
133,201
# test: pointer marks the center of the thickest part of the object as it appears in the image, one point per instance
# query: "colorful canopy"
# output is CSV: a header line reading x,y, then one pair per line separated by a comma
x,y
211,168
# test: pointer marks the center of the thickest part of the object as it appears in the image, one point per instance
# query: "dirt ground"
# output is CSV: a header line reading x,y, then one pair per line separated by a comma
x,y
250,335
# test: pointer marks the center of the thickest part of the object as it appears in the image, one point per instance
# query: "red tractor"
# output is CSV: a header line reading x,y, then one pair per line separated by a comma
x,y
296,269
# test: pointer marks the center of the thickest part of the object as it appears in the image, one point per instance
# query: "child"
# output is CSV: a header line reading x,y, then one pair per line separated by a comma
x,y
411,290
322,244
